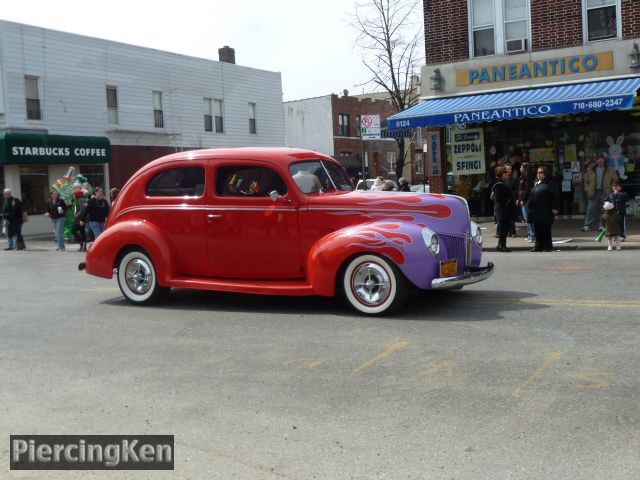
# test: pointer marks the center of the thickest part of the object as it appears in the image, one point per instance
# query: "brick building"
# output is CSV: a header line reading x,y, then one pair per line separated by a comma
x,y
552,82
330,125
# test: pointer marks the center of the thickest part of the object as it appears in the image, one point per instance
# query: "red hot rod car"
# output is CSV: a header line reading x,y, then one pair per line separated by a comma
x,y
280,221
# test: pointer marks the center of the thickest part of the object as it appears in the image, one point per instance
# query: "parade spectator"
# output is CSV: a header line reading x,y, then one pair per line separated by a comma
x,y
378,184
612,222
619,200
404,185
504,206
96,213
12,214
543,204
597,184
78,230
525,184
57,212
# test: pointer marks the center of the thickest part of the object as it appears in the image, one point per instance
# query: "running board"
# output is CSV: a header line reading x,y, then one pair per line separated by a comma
x,y
297,288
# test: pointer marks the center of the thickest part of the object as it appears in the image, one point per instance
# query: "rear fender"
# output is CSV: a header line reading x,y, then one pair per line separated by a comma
x,y
104,253
400,242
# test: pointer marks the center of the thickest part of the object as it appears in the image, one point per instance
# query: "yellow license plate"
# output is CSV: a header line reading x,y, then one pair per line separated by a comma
x,y
449,268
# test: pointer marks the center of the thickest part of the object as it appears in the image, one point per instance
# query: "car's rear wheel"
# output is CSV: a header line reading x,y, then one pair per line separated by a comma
x,y
138,280
373,285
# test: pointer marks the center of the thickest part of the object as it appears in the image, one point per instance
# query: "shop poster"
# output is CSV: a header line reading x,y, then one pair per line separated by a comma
x,y
570,152
434,165
467,147
541,155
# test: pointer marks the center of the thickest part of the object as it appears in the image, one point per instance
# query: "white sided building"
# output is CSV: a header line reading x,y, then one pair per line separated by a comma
x,y
108,108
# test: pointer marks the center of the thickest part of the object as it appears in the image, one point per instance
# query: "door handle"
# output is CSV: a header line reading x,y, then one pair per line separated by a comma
x,y
213,215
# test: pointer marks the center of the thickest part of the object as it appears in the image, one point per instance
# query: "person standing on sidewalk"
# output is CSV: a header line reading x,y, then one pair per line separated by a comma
x,y
57,212
525,184
597,184
612,222
96,212
619,200
544,201
12,215
504,205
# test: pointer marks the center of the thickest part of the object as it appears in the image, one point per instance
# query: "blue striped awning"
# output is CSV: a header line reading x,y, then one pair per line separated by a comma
x,y
514,104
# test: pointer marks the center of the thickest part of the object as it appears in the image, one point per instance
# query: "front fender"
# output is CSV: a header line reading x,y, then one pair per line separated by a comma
x,y
103,253
400,242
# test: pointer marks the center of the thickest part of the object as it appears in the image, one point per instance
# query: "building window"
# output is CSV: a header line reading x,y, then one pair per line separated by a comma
x,y
34,186
601,19
391,162
218,110
499,26
208,115
343,123
516,25
419,164
158,116
252,118
33,98
112,105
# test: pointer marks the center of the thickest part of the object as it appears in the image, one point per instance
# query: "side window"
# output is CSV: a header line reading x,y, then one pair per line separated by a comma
x,y
243,181
177,182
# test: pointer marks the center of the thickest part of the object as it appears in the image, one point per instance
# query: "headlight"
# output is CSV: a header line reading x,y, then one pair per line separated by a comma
x,y
476,233
431,240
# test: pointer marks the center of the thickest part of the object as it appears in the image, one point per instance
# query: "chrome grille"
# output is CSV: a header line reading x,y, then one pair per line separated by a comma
x,y
455,248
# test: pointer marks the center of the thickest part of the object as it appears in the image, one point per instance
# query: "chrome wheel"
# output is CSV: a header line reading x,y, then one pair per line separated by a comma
x,y
138,280
139,276
370,283
373,285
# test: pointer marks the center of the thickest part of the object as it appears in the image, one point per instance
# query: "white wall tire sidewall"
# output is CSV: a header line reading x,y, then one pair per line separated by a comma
x,y
122,281
353,299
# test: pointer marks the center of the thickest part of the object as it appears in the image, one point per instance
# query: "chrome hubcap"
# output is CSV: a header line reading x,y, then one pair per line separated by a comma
x,y
139,276
371,284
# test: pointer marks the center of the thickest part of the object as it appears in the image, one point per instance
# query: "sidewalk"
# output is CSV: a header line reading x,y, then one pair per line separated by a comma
x,y
567,234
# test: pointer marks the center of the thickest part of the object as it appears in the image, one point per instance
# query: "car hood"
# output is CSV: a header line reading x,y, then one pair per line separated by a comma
x,y
443,213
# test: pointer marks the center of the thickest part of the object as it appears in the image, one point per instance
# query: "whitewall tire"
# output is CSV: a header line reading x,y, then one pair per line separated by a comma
x,y
374,285
138,280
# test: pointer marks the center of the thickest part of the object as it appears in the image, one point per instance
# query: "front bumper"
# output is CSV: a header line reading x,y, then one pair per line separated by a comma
x,y
470,275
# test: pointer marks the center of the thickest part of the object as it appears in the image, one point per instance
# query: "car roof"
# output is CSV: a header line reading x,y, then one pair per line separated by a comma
x,y
280,155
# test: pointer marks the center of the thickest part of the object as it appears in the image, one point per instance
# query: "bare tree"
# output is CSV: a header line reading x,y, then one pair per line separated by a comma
x,y
390,37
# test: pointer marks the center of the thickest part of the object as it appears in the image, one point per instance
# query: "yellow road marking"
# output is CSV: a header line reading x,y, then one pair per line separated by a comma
x,y
101,289
444,368
309,363
594,380
556,302
394,346
550,358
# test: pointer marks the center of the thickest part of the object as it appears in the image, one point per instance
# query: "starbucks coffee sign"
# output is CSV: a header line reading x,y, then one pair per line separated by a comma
x,y
21,148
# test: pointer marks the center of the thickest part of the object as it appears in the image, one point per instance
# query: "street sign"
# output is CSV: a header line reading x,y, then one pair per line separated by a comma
x,y
370,133
370,121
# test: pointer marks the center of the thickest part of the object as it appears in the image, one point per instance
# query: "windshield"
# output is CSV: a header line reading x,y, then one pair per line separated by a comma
x,y
314,176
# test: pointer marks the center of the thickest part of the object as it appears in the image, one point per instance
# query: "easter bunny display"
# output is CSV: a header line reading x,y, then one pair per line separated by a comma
x,y
615,158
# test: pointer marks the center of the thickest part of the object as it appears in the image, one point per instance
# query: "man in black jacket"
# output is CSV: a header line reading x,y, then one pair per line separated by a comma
x,y
12,214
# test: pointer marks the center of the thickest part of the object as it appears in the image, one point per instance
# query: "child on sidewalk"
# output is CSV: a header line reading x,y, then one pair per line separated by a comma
x,y
619,200
612,222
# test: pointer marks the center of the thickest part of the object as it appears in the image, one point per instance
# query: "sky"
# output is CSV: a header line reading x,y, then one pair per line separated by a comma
x,y
309,42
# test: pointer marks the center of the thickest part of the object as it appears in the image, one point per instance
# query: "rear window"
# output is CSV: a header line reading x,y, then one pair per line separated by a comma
x,y
177,182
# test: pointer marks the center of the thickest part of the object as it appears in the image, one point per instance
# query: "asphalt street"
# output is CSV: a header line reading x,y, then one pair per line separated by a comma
x,y
529,375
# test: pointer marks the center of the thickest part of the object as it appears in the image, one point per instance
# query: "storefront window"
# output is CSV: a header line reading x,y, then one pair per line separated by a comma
x,y
94,174
34,184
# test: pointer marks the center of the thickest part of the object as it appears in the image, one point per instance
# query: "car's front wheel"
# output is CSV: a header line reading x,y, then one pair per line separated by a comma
x,y
373,285
138,280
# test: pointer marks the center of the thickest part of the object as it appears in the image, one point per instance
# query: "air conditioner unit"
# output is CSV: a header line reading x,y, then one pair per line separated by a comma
x,y
516,45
